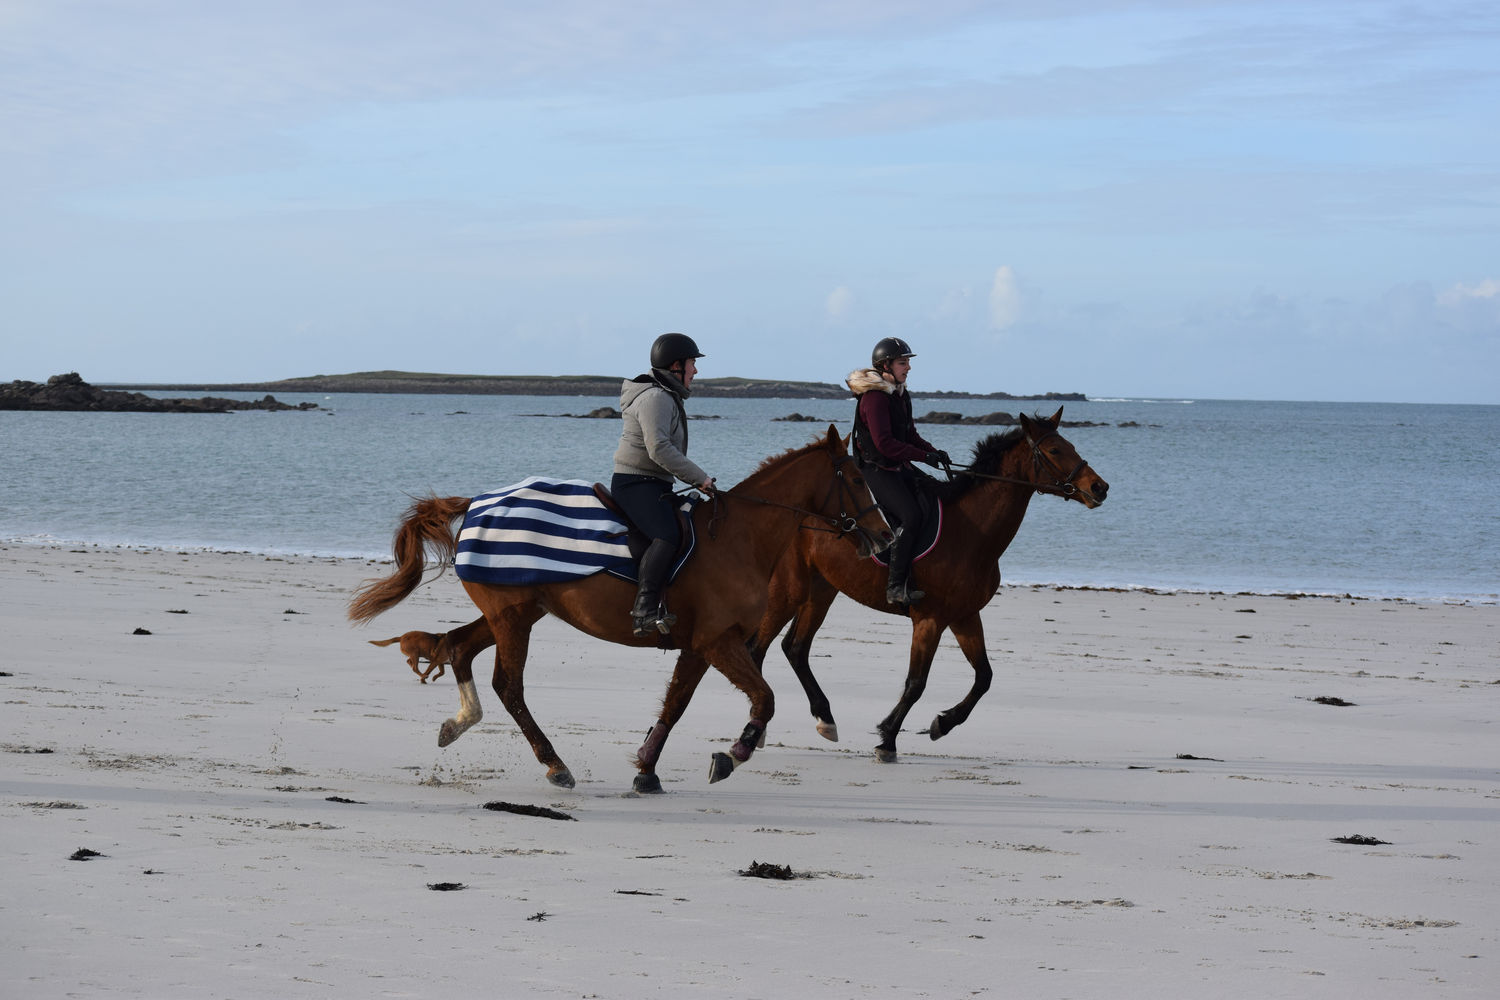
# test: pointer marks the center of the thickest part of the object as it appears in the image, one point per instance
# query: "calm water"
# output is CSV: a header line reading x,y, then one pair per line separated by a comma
x,y
1379,500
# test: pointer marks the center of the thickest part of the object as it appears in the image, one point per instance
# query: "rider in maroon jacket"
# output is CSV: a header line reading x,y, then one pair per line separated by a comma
x,y
886,443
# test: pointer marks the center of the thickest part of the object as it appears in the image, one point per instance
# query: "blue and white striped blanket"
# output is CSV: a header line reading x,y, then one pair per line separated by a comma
x,y
540,531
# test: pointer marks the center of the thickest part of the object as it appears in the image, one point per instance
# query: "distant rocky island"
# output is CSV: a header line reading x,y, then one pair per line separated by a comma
x,y
71,392
553,385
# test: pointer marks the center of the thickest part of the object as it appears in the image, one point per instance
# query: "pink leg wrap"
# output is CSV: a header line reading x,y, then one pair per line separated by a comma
x,y
748,740
651,749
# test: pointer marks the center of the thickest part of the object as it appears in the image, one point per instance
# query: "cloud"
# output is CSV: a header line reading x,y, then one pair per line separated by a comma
x,y
1460,293
838,304
1005,298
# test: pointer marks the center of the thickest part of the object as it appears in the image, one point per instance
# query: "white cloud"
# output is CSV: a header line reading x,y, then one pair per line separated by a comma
x,y
839,302
1460,293
1005,298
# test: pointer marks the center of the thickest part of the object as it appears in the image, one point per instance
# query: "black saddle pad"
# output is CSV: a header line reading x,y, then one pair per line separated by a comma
x,y
928,533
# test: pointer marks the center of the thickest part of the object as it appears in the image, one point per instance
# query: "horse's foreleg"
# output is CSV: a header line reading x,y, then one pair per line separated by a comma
x,y
970,635
464,644
685,677
512,632
925,633
731,659
797,642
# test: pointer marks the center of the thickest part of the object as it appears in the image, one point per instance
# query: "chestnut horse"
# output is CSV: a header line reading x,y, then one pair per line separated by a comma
x,y
983,508
718,598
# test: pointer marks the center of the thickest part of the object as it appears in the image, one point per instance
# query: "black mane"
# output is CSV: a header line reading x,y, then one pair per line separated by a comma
x,y
989,453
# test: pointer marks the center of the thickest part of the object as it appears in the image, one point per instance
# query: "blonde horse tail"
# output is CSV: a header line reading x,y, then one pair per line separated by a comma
x,y
427,524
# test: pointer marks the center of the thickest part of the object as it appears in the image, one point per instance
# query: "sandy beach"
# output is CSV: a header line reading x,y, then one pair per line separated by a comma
x,y
1144,805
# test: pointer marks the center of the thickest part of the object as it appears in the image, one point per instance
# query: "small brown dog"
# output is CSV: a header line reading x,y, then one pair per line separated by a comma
x,y
418,646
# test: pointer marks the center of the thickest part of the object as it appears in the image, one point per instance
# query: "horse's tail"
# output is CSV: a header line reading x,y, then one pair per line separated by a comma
x,y
427,523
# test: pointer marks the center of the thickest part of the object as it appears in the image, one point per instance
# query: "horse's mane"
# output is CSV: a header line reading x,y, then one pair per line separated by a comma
x,y
777,459
989,453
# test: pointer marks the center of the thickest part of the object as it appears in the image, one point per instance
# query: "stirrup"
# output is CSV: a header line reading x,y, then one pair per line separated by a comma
x,y
903,595
656,621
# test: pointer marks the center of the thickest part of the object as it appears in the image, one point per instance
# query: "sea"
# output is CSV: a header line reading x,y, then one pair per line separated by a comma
x,y
1368,500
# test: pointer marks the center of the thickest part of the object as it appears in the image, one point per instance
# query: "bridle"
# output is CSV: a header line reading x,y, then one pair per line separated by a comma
x,y
841,524
1061,485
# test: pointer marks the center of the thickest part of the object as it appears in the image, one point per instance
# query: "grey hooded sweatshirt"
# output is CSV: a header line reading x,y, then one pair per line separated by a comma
x,y
653,441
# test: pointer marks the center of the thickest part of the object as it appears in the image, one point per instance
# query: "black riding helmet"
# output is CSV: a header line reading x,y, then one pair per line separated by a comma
x,y
889,350
671,348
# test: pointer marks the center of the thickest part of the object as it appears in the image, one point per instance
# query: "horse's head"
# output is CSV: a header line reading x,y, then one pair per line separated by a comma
x,y
1056,466
850,507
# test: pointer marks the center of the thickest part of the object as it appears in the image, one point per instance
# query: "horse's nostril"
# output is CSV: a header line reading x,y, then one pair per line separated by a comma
x,y
1102,490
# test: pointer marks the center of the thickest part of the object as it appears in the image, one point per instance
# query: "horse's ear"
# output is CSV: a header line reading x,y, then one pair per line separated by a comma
x,y
1056,418
1025,423
834,441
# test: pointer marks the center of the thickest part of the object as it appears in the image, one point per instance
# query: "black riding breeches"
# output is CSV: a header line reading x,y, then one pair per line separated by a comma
x,y
896,493
649,504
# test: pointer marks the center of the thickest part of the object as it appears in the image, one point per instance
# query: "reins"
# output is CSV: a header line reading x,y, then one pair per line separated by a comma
x,y
1062,486
843,523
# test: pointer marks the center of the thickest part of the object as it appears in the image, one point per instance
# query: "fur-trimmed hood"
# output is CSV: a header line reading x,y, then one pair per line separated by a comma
x,y
862,380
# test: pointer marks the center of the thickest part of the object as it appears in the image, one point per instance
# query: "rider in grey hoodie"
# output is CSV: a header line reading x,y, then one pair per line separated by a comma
x,y
652,453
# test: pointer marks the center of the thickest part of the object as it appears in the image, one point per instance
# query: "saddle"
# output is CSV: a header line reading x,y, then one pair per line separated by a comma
x,y
932,527
687,537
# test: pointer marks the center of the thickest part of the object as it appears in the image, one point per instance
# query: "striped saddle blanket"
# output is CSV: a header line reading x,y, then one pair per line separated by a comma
x,y
543,531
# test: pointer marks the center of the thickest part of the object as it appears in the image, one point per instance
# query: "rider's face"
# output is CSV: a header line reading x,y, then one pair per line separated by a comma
x,y
899,369
689,369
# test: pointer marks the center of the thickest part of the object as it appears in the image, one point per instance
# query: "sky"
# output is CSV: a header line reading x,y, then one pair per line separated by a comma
x,y
1160,198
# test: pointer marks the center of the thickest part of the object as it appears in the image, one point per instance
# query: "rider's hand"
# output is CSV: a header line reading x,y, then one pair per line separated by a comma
x,y
938,459
707,486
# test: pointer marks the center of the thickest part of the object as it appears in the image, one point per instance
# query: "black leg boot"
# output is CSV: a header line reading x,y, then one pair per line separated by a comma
x,y
649,616
897,589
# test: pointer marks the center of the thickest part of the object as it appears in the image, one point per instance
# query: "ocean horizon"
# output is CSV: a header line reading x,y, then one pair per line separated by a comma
x,y
1371,500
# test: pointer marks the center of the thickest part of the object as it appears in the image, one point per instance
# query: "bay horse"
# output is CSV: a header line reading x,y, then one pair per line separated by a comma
x,y
719,597
983,508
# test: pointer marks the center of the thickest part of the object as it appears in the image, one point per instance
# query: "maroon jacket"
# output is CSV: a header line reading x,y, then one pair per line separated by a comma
x,y
884,432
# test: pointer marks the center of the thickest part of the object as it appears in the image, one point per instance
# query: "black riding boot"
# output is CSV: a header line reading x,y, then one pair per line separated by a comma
x,y
897,589
649,614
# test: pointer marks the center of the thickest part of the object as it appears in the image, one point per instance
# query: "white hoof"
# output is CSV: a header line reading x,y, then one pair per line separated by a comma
x,y
829,731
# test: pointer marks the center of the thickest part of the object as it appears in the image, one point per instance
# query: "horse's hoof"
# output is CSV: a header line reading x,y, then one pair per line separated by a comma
x,y
939,728
562,777
885,756
829,731
448,733
720,767
647,784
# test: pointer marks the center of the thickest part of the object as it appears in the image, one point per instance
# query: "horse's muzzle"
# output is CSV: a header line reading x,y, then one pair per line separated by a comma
x,y
1093,493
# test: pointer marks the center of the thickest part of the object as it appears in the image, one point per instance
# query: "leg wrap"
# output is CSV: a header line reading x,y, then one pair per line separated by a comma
x,y
748,740
651,749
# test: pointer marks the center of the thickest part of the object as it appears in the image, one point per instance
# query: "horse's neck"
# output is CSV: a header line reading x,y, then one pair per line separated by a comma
x,y
997,508
758,533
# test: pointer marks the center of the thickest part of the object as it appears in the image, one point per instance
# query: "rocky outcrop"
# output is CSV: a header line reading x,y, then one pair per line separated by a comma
x,y
1001,419
70,392
433,383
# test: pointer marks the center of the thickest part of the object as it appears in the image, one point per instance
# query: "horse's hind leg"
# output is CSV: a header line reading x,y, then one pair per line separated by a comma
x,y
925,633
970,635
685,677
512,631
465,643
